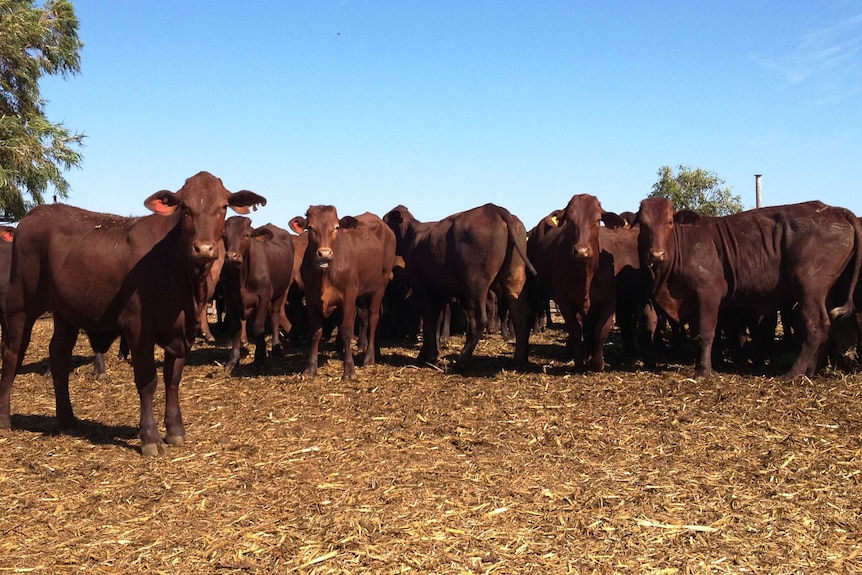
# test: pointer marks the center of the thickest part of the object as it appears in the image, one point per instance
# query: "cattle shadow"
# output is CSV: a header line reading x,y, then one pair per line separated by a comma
x,y
97,433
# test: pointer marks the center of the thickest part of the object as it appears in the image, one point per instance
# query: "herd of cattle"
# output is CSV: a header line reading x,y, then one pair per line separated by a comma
x,y
149,279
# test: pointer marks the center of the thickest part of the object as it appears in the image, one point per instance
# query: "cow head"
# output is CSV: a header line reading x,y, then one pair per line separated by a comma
x,y
580,223
322,224
399,220
201,205
237,239
656,219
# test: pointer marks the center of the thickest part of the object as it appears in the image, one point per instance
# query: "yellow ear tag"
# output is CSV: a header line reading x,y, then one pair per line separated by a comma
x,y
554,220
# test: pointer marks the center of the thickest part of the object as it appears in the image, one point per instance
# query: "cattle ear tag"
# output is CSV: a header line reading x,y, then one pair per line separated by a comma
x,y
160,207
555,221
6,236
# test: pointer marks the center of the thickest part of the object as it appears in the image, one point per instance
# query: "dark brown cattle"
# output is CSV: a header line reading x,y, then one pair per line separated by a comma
x,y
144,278
256,276
634,312
7,234
212,284
759,259
464,256
578,274
347,263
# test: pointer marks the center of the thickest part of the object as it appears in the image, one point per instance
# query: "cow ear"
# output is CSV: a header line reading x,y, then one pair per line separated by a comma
x,y
348,222
241,201
262,233
163,203
297,224
613,221
686,217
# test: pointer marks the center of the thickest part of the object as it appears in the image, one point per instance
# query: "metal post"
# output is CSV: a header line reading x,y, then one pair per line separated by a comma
x,y
758,198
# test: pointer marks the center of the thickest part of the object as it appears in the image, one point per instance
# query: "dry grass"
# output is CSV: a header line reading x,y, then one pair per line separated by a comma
x,y
409,470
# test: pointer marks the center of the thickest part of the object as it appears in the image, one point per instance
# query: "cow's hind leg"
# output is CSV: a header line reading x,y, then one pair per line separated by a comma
x,y
477,320
814,324
60,350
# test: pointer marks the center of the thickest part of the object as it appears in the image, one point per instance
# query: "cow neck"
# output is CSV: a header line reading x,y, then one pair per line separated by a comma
x,y
195,274
661,274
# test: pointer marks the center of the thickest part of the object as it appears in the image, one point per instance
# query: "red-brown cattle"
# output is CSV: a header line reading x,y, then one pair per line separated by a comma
x,y
7,234
347,263
634,314
464,256
143,278
759,259
578,274
256,276
212,284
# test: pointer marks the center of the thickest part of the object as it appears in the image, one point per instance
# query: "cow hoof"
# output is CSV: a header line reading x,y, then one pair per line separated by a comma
x,y
153,449
176,440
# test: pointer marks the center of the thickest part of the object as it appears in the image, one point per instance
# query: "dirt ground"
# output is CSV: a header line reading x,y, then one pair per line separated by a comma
x,y
414,470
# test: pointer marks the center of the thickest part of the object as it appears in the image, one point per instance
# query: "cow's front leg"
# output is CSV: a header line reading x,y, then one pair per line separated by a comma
x,y
345,332
146,381
315,326
173,373
708,318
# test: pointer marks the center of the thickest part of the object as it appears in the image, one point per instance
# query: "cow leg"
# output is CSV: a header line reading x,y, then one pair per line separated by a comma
x,y
173,372
575,332
372,350
601,328
233,360
345,331
815,326
477,321
517,307
430,350
60,360
146,380
205,325
707,321
279,321
16,338
315,327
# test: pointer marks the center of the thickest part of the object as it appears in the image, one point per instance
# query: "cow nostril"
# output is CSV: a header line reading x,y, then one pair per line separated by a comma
x,y
656,256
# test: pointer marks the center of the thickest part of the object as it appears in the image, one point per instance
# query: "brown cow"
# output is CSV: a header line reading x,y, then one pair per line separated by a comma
x,y
635,315
212,284
759,259
7,235
143,278
464,256
255,279
578,274
347,263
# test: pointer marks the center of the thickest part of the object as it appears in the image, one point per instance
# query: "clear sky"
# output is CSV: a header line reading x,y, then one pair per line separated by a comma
x,y
446,105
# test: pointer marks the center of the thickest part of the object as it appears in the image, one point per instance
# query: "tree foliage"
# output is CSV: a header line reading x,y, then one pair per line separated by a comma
x,y
34,40
696,189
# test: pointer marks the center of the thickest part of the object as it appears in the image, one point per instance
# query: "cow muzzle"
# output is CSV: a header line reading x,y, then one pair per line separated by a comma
x,y
232,258
582,253
324,258
656,256
204,251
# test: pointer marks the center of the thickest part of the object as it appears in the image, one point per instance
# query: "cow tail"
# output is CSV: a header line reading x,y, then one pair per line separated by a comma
x,y
848,307
510,226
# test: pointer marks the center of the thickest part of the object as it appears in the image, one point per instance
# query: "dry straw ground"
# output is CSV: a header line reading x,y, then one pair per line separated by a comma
x,y
409,470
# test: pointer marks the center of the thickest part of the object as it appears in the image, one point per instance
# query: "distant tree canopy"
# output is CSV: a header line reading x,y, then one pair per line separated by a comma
x,y
34,152
696,189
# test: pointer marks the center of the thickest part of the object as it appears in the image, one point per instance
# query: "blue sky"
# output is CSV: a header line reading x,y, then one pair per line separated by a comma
x,y
444,106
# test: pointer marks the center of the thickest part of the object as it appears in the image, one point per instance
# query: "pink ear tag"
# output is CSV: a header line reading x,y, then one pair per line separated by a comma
x,y
6,236
161,207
